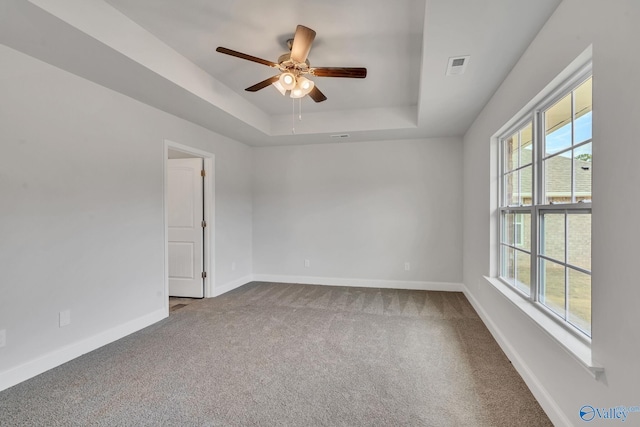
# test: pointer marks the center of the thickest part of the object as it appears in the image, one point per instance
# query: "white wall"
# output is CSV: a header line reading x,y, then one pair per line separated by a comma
x,y
81,212
359,211
557,379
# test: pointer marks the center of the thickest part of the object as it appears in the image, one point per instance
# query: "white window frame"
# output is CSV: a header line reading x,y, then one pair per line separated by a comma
x,y
538,206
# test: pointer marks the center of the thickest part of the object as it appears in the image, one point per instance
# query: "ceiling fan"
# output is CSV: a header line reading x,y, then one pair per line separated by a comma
x,y
294,66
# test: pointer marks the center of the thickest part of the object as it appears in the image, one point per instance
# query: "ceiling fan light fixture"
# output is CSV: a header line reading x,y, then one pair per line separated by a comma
x,y
305,84
278,86
287,80
303,87
297,93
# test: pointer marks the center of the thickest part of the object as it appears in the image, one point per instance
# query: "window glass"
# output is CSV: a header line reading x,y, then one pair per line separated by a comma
x,y
552,291
552,242
579,241
517,167
511,151
518,148
583,165
523,272
580,300
557,178
563,170
558,126
511,189
526,145
536,235
583,115
508,226
508,264
524,197
523,231
518,187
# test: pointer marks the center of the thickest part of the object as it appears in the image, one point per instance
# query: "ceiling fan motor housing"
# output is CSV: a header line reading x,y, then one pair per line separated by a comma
x,y
286,63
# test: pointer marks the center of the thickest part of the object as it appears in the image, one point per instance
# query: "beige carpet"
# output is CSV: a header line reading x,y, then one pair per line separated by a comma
x,y
290,355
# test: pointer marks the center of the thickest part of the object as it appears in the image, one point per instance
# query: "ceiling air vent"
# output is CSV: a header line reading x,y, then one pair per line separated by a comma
x,y
457,65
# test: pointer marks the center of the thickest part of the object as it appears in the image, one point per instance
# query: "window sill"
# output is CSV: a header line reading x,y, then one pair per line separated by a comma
x,y
574,346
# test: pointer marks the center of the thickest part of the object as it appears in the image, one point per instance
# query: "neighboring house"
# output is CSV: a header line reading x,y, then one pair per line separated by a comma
x,y
557,185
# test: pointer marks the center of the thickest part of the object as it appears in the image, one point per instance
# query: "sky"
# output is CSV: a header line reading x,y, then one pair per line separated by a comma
x,y
561,138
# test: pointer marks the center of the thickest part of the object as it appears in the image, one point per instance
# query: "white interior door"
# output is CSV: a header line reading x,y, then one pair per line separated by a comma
x,y
185,212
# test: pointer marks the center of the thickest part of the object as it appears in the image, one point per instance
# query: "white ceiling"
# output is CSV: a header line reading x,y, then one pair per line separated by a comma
x,y
162,52
347,35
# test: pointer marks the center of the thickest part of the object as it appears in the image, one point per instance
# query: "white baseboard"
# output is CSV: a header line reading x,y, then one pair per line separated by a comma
x,y
362,283
57,357
548,404
229,286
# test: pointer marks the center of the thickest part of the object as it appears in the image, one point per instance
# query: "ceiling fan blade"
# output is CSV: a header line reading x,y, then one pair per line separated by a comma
x,y
354,72
316,95
302,43
245,56
256,87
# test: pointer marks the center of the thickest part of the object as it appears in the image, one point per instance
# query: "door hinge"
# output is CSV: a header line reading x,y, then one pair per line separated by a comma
x,y
204,274
203,173
204,224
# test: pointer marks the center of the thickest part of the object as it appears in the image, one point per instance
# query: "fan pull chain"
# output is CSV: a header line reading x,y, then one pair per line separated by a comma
x,y
293,116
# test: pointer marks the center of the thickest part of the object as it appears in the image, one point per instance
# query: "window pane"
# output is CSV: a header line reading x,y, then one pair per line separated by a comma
x,y
526,145
557,179
517,187
511,189
523,272
552,242
557,126
508,228
511,150
518,148
508,264
579,241
525,186
580,300
522,229
583,161
582,108
552,291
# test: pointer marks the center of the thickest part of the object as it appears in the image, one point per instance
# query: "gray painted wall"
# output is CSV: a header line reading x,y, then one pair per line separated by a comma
x,y
360,210
81,216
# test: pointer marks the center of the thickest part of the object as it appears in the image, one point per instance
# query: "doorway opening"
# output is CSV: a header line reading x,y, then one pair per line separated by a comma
x,y
188,204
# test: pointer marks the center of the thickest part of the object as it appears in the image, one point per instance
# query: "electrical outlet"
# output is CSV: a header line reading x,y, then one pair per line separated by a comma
x,y
3,337
233,266
407,266
307,263
65,318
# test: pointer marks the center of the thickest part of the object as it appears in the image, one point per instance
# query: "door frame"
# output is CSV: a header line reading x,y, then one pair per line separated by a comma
x,y
209,217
